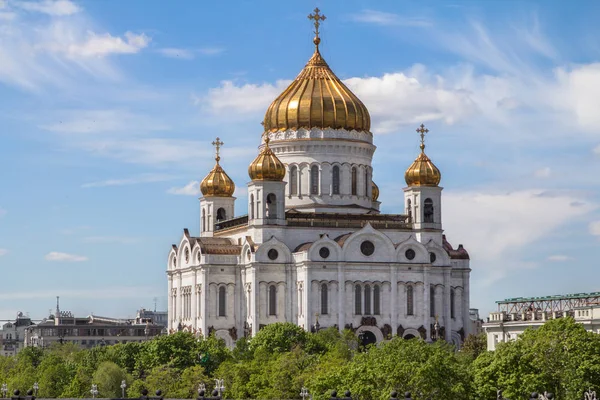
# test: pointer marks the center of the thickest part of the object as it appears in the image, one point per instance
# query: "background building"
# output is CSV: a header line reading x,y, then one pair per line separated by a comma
x,y
314,243
517,314
13,333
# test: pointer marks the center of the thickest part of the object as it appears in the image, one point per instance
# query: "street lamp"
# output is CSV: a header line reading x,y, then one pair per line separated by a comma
x,y
589,395
35,388
435,335
304,393
201,389
94,391
123,387
147,330
4,390
219,386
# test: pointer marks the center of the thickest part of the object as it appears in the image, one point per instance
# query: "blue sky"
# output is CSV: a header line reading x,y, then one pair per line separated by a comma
x,y
108,108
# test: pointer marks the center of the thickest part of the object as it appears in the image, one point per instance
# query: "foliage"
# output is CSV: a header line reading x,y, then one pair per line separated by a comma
x,y
282,358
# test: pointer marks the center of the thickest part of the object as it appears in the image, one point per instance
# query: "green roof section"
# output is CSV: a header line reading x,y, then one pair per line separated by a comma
x,y
548,298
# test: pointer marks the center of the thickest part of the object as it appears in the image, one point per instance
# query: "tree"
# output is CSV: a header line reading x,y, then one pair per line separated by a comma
x,y
108,377
559,357
279,337
474,345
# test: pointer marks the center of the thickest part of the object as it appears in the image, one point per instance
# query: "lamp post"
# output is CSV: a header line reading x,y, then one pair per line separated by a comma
x,y
201,388
35,388
304,393
219,386
435,335
589,395
94,391
123,387
147,330
4,390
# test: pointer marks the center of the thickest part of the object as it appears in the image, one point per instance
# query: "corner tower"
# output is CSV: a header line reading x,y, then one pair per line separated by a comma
x,y
320,130
217,201
422,196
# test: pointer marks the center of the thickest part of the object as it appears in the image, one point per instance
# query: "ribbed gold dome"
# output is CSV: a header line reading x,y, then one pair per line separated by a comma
x,y
422,172
266,166
217,183
317,99
374,191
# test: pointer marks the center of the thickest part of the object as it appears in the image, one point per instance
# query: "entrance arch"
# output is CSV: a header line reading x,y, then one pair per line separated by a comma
x,y
372,334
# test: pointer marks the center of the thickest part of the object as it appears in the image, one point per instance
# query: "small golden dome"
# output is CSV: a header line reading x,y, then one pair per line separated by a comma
x,y
422,171
374,191
217,183
317,98
266,166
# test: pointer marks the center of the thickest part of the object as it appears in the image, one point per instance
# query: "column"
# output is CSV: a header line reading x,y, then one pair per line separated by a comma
x,y
465,304
341,295
254,305
179,299
170,316
204,301
289,293
195,301
426,310
394,302
308,312
447,317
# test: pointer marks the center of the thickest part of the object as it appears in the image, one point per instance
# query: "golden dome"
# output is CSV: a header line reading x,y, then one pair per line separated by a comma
x,y
317,99
422,171
217,182
374,191
266,166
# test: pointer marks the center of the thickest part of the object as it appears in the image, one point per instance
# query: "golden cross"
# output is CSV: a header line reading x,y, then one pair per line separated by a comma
x,y
422,130
317,17
217,143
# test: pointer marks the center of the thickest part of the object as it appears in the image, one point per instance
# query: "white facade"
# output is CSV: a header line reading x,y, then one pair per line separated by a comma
x,y
503,327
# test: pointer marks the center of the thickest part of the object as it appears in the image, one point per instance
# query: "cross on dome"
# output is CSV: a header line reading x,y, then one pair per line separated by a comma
x,y
317,17
217,143
422,130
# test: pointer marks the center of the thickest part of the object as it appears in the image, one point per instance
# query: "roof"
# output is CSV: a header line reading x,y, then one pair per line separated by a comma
x,y
459,253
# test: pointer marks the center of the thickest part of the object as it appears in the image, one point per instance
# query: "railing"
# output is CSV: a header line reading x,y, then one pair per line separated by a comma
x,y
231,223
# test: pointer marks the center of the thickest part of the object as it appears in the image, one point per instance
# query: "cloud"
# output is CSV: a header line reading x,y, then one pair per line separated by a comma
x,y
111,239
50,7
191,189
597,150
103,121
542,172
485,222
144,178
594,228
248,98
58,256
100,45
389,19
3,252
189,54
558,258
116,292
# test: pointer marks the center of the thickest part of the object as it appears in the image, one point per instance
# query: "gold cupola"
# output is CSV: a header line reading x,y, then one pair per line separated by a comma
x,y
217,183
266,166
374,191
317,98
422,171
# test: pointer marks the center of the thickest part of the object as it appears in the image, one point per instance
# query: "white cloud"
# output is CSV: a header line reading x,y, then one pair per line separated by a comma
x,y
389,19
50,7
102,121
594,228
497,228
58,256
558,258
100,45
111,239
117,292
144,178
542,172
210,51
248,98
3,252
191,189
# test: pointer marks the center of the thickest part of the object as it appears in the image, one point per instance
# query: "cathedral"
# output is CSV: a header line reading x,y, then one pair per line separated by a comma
x,y
313,247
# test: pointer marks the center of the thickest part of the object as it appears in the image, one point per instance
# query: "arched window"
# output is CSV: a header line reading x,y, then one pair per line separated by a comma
x,y
314,180
251,206
324,298
366,182
221,215
428,210
409,209
409,300
222,300
203,220
357,300
354,177
376,300
451,303
432,301
271,206
272,300
293,180
367,300
335,179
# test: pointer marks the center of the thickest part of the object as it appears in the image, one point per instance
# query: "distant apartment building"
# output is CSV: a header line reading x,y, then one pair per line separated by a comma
x,y
13,333
152,317
476,321
517,314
